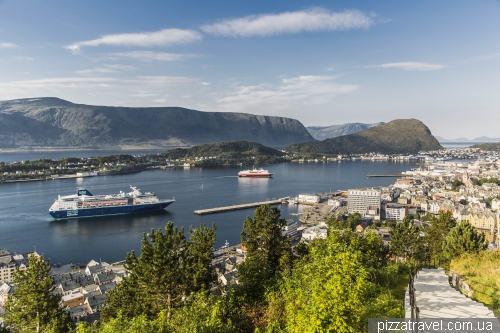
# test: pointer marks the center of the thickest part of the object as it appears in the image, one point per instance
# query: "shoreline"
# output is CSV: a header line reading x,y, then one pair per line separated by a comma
x,y
56,149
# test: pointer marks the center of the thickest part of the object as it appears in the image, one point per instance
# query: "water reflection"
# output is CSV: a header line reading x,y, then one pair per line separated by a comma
x,y
254,185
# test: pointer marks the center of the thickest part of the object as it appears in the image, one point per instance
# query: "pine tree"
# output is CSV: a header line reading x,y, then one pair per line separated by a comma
x,y
34,307
168,270
405,240
436,235
268,253
463,238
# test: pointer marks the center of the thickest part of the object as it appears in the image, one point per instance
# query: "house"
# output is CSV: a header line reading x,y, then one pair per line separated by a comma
x,y
312,233
361,227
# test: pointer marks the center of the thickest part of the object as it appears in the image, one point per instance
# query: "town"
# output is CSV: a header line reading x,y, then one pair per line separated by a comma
x,y
469,191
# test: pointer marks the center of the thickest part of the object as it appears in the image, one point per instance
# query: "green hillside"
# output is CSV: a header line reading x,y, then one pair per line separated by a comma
x,y
401,136
494,146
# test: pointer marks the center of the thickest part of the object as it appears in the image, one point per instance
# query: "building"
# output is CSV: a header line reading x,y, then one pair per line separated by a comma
x,y
395,211
312,233
365,202
309,198
9,262
290,230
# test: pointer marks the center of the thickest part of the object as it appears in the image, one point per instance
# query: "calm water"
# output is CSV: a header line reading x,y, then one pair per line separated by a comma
x,y
25,222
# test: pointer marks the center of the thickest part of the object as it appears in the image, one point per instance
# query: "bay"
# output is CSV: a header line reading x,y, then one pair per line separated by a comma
x,y
26,224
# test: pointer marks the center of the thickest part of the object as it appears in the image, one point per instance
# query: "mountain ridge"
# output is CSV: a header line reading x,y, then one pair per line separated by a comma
x,y
54,122
333,131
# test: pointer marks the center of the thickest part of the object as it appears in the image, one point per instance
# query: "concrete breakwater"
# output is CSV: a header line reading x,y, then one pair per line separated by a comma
x,y
237,207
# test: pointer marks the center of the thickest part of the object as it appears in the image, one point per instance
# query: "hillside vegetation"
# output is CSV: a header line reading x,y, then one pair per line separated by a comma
x,y
480,271
53,122
494,146
232,152
401,136
326,132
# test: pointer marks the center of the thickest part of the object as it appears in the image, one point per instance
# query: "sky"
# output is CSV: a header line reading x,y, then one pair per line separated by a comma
x,y
321,62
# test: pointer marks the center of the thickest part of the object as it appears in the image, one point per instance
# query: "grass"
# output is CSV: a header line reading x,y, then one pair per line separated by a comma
x,y
482,272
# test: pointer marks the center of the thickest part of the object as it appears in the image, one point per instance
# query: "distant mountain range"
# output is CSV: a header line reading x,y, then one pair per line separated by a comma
x,y
327,132
462,139
396,137
53,122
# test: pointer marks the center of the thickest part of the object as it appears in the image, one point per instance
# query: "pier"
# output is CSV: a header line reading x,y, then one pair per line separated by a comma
x,y
237,207
387,175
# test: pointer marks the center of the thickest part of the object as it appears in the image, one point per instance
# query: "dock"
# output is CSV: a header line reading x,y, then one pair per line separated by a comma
x,y
237,207
388,175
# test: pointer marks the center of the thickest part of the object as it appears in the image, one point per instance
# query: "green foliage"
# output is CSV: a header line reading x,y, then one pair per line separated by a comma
x,y
406,241
351,222
439,228
455,184
343,281
268,253
34,307
480,271
493,146
482,181
168,270
463,238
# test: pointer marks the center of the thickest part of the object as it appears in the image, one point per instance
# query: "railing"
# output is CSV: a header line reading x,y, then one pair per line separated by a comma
x,y
415,312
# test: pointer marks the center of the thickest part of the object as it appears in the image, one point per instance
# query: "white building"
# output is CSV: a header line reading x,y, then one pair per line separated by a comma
x,y
309,198
365,202
290,229
312,233
395,211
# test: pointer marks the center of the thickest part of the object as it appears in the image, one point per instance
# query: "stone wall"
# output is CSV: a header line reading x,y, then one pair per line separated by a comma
x,y
459,284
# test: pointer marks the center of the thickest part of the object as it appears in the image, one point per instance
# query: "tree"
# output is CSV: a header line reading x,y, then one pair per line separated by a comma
x,y
34,307
405,240
168,270
439,228
268,253
463,238
324,293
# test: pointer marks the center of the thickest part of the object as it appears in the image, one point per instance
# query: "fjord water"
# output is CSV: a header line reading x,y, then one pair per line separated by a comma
x,y
25,222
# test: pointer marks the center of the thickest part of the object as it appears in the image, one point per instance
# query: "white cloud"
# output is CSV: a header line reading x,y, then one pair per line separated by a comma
x,y
8,45
121,67
316,19
152,56
94,86
163,37
93,71
411,66
160,100
302,90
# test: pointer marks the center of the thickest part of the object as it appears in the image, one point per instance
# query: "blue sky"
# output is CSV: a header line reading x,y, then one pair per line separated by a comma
x,y
323,62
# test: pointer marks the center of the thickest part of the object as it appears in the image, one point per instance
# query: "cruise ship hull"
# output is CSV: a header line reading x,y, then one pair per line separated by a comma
x,y
112,210
268,175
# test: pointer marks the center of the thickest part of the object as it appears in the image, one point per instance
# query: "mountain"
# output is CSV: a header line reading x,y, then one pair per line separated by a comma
x,y
486,139
462,139
396,137
492,146
326,132
53,122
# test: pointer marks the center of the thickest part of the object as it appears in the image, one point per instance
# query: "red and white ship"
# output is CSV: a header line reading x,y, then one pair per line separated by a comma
x,y
255,173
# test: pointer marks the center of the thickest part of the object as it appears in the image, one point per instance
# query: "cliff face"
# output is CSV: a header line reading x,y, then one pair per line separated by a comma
x,y
327,132
57,123
400,136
